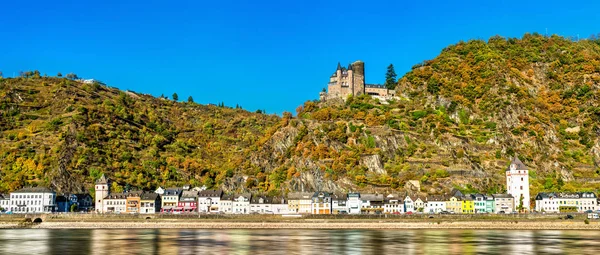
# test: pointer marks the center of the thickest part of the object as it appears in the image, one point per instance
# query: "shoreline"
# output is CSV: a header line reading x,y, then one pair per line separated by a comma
x,y
473,225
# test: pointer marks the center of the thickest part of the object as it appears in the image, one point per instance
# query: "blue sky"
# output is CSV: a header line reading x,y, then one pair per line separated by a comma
x,y
270,55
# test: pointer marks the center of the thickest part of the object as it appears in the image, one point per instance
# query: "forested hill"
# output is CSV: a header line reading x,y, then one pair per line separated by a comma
x,y
458,120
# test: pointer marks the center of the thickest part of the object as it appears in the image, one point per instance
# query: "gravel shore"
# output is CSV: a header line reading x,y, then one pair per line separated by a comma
x,y
551,225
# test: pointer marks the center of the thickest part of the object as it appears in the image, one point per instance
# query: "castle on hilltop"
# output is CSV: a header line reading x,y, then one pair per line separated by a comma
x,y
351,81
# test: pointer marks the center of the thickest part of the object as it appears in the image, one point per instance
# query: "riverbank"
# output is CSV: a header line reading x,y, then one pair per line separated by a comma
x,y
532,225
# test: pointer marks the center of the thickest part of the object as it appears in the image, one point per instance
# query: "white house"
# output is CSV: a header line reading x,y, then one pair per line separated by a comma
x,y
434,204
160,191
517,182
208,200
226,204
33,200
4,202
409,205
279,205
504,203
393,204
419,203
241,203
115,203
557,202
354,203
261,205
339,204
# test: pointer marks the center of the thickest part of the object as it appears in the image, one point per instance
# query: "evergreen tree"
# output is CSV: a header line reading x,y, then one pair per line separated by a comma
x,y
390,77
190,99
59,74
175,97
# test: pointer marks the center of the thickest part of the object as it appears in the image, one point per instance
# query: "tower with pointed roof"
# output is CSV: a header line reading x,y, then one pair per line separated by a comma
x,y
102,191
517,182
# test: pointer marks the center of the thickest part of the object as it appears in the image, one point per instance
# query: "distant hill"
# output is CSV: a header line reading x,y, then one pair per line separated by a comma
x,y
458,120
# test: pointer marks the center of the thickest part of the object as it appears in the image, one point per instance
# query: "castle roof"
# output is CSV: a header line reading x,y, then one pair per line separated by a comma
x,y
349,66
102,180
339,67
518,164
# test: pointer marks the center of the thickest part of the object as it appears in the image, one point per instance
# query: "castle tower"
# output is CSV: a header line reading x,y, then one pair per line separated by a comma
x,y
102,191
358,79
517,182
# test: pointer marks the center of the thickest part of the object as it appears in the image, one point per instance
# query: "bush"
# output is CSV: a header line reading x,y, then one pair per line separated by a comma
x,y
586,221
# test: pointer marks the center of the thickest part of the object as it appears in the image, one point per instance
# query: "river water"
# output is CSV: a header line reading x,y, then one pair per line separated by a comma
x,y
296,241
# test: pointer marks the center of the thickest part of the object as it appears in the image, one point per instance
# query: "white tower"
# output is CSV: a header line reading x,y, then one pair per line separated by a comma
x,y
101,192
517,182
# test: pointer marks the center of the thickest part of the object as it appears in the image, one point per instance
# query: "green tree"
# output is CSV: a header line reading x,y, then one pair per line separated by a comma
x,y
390,77
520,207
72,76
175,97
116,188
59,74
190,99
73,208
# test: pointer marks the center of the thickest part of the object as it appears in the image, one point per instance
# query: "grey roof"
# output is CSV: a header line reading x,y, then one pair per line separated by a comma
x,y
210,193
278,200
149,196
189,193
34,190
172,192
340,196
565,195
102,180
116,196
299,195
83,196
435,198
265,200
518,164
245,195
339,67
372,197
4,196
456,193
503,196
227,197
321,193
349,66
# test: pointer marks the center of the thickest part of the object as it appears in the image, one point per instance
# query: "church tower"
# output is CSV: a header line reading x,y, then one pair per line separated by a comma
x,y
102,190
517,182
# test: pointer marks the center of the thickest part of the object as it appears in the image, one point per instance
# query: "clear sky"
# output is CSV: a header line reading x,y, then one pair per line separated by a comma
x,y
270,55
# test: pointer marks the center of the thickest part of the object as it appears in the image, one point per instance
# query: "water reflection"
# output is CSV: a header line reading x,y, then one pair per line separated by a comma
x,y
291,241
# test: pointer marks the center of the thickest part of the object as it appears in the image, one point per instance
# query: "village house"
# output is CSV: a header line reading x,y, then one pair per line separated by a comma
x,y
393,204
300,202
208,200
354,203
468,205
490,204
371,203
114,203
33,200
188,201
79,202
566,202
321,203
419,204
409,205
279,205
503,203
4,202
149,203
454,204
133,201
478,203
170,200
261,205
339,204
241,203
435,204
226,204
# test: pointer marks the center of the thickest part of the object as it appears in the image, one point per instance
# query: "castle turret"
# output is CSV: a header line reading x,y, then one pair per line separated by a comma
x,y
102,191
517,182
358,82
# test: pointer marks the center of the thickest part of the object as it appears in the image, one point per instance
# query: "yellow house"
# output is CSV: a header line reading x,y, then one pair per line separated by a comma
x,y
467,205
454,204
